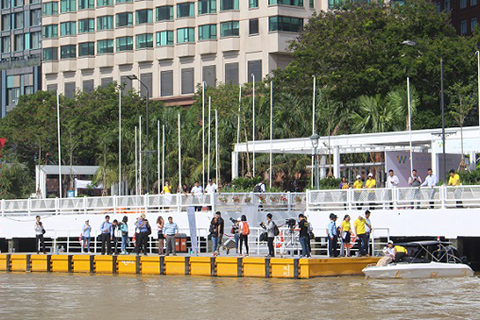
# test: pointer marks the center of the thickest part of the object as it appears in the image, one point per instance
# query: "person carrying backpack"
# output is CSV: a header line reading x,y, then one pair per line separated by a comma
x,y
124,231
272,232
244,231
259,187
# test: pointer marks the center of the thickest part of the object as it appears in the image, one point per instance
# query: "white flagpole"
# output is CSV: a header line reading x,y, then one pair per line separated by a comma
x,y
209,139
136,162
239,109
203,134
216,147
140,153
120,142
409,122
253,126
314,109
179,154
159,187
271,132
59,148
478,83
163,155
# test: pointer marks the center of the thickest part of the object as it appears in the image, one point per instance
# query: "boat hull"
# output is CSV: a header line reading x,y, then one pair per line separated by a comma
x,y
419,270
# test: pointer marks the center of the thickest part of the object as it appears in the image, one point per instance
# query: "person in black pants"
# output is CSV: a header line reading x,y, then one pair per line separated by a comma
x,y
39,231
143,226
244,231
106,235
114,236
270,227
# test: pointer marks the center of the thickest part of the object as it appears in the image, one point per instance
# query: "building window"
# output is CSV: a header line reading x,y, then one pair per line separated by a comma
x,y
253,3
86,25
124,19
165,38
86,49
166,83
105,23
296,3
281,23
144,40
185,35
447,5
6,48
6,22
104,3
50,31
6,4
207,6
68,51
105,46
253,26
255,68
123,1
19,44
26,41
67,6
18,20
473,3
68,28
50,54
473,24
229,29
439,7
186,9
35,17
188,81
228,5
35,40
50,9
231,73
463,4
311,3
69,89
86,4
144,16
124,44
207,31
18,3
164,13
210,75
463,27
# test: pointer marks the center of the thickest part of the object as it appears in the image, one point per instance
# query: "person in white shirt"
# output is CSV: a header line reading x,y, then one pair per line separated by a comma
x,y
392,182
415,181
430,182
211,187
388,255
197,191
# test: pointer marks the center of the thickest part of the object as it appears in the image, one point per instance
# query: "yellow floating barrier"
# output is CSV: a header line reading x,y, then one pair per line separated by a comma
x,y
229,267
175,265
254,267
83,263
201,266
150,265
283,268
333,266
127,264
40,263
19,262
105,264
61,263
4,262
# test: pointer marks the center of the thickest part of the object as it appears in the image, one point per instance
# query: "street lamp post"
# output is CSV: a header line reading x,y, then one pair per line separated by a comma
x,y
314,139
134,77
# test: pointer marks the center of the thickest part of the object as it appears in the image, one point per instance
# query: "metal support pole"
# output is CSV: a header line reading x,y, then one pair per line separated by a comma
x,y
59,148
119,142
442,105
253,126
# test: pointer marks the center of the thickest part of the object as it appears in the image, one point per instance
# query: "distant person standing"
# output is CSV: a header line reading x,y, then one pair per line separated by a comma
x,y
360,231
214,235
270,227
106,235
454,181
142,225
392,183
171,231
161,236
344,186
358,185
124,230
197,191
345,235
430,182
303,235
368,231
244,231
332,236
371,183
211,189
167,188
415,181
221,229
115,228
86,234
259,187
236,233
39,232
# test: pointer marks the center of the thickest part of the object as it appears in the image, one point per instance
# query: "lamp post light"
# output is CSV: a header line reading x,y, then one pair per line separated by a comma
x,y
134,77
314,139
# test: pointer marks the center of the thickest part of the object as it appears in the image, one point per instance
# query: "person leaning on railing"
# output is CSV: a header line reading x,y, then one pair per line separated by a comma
x,y
415,181
430,182
454,181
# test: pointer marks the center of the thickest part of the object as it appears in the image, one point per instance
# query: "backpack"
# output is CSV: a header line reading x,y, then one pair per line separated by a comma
x,y
245,229
276,231
258,188
149,229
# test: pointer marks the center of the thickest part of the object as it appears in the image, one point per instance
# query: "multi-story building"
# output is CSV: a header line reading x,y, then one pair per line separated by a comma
x,y
20,50
464,14
170,45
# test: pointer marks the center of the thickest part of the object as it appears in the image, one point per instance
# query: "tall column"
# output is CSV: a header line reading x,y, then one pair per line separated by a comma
x,y
473,161
434,161
234,165
323,167
336,162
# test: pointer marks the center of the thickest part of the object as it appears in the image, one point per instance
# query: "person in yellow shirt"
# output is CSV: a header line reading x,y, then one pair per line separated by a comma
x,y
345,233
360,231
371,184
358,184
454,181
167,188
401,252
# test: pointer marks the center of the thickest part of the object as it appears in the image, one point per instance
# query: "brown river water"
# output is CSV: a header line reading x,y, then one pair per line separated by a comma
x,y
74,296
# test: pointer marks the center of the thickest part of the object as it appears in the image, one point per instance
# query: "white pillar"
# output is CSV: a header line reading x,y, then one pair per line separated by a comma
x,y
473,161
323,168
234,165
336,162
434,161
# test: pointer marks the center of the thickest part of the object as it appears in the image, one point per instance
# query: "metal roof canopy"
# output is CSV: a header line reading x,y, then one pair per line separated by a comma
x,y
76,170
426,140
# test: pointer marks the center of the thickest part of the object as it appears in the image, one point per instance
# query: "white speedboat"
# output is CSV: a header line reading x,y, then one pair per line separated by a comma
x,y
426,259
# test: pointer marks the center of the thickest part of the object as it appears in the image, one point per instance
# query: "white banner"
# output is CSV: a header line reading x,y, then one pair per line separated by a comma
x,y
193,228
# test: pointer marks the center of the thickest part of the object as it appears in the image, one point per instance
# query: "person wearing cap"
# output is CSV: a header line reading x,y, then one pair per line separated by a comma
x,y
332,236
86,230
388,255
360,231
358,184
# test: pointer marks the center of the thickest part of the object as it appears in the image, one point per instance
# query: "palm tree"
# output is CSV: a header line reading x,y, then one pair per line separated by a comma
x,y
398,100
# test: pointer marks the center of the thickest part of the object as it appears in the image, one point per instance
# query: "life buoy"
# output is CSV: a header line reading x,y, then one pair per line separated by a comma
x,y
279,244
353,238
